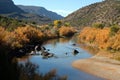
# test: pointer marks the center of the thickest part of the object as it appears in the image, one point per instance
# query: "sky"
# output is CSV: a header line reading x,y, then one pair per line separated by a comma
x,y
62,7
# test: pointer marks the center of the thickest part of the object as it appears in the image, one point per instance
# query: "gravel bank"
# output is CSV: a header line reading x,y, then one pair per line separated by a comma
x,y
100,66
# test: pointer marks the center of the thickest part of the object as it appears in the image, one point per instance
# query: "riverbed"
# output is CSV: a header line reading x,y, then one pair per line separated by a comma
x,y
63,49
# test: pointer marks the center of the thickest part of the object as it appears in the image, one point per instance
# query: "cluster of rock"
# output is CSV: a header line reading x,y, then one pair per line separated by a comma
x,y
38,50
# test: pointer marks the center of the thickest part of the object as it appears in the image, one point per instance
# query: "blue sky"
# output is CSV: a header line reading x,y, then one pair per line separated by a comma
x,y
62,7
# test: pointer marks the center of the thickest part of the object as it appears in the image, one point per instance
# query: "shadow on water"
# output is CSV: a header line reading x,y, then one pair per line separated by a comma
x,y
11,70
28,71
66,50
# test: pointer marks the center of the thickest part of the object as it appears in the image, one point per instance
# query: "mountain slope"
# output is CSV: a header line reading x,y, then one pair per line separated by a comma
x,y
11,24
9,9
107,12
7,6
41,11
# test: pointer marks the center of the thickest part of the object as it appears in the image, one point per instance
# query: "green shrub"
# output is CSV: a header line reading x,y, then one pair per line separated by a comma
x,y
114,29
98,25
57,23
66,24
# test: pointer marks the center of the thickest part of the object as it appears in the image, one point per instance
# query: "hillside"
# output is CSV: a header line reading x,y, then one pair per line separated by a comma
x,y
7,6
11,24
107,12
41,11
9,9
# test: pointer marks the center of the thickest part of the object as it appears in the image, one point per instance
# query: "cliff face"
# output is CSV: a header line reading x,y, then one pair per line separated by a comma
x,y
107,12
7,6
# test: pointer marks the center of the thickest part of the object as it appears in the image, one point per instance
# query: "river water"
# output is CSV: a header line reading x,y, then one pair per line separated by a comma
x,y
63,49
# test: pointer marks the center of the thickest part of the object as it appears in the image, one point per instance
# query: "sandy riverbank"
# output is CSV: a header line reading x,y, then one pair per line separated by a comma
x,y
100,66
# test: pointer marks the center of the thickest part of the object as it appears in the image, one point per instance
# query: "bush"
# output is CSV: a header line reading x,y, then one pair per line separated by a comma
x,y
98,25
16,39
101,38
22,35
97,36
3,33
57,23
66,24
114,29
66,31
114,42
10,24
31,33
88,34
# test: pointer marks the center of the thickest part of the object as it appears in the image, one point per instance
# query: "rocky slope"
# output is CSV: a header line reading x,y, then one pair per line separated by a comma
x,y
107,12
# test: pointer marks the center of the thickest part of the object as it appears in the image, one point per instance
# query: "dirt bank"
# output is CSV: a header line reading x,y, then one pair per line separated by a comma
x,y
100,66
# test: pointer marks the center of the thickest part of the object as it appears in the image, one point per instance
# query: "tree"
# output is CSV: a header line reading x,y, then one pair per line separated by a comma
x,y
57,23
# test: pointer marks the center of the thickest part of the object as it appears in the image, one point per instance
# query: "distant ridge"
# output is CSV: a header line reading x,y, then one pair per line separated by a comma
x,y
9,9
41,11
107,12
7,6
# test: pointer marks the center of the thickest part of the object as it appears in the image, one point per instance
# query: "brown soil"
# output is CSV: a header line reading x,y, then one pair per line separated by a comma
x,y
100,66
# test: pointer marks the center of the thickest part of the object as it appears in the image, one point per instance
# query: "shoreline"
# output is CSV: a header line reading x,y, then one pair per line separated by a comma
x,y
101,66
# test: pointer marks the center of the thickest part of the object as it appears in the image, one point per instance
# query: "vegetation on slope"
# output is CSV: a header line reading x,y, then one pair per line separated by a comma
x,y
21,36
107,38
12,41
66,31
10,24
106,12
102,38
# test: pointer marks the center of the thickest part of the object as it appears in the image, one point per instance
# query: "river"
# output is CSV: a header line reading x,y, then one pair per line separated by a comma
x,y
63,49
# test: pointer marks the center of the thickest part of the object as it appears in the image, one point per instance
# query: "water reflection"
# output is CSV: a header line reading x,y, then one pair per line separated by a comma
x,y
64,40
91,49
28,71
66,51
